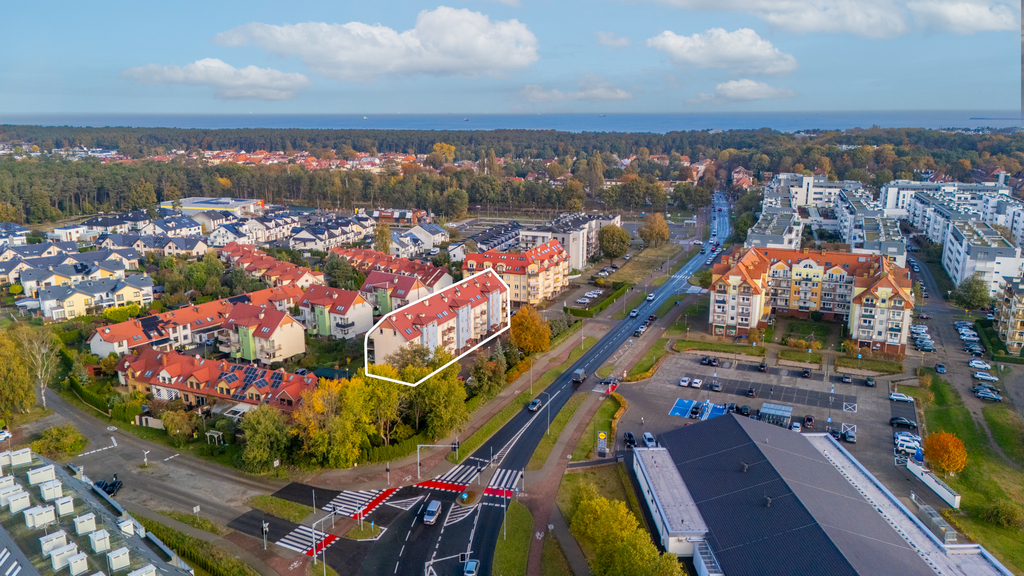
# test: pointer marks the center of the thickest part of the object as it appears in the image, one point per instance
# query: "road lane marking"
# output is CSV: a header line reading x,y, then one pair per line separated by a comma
x,y
169,457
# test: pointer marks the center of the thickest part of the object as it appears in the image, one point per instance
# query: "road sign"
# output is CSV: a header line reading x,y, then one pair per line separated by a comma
x,y
601,435
602,443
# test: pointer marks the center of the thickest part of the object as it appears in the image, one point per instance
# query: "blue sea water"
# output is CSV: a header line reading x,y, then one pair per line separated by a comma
x,y
656,123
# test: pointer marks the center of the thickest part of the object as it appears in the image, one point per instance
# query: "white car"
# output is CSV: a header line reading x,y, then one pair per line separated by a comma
x,y
684,382
908,436
985,376
602,274
980,365
650,297
583,301
4,435
698,242
696,383
795,426
900,397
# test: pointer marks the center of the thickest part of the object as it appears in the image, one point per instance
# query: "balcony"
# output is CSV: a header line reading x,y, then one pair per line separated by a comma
x,y
720,300
344,325
895,329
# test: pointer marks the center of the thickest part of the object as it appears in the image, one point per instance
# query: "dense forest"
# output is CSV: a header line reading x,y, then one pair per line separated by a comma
x,y
44,189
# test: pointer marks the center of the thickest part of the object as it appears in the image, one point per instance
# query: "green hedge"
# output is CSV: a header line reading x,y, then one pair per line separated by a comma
x,y
395,451
126,412
88,397
989,338
197,552
1007,359
70,337
557,340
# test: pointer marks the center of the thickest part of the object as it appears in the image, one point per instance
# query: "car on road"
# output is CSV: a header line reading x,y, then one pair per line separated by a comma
x,y
629,440
696,382
985,376
940,368
809,421
979,364
650,297
901,422
806,373
900,397
985,395
684,381
472,568
634,313
795,426
762,367
751,392
535,405
433,511
649,440
924,317
715,386
847,379
705,361
870,382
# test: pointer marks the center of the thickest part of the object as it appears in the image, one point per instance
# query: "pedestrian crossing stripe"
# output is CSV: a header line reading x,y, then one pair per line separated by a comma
x,y
505,479
461,474
357,503
303,539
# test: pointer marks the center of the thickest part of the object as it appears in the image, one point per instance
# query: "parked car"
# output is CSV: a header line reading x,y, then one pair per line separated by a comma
x,y
924,317
535,405
988,387
985,395
714,361
900,397
795,426
847,379
835,433
695,411
979,364
684,381
715,386
806,373
705,361
745,410
850,436
583,301
985,376
629,440
696,382
301,371
926,349
649,440
870,382
809,421
652,318
731,407
901,422
940,368
762,367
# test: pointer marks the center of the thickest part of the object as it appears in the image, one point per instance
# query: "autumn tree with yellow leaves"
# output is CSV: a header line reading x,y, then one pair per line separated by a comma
x,y
529,331
945,452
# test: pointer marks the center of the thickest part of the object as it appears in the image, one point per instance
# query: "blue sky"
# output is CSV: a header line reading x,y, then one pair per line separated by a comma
x,y
488,56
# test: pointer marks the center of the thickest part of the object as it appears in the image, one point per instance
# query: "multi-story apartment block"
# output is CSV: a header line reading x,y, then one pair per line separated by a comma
x,y
804,190
435,278
185,326
897,196
870,294
198,381
262,334
777,228
386,291
501,237
1010,314
976,247
577,233
179,226
58,303
332,312
534,276
455,318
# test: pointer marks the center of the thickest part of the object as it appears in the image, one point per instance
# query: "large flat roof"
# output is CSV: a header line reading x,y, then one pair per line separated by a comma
x,y
677,508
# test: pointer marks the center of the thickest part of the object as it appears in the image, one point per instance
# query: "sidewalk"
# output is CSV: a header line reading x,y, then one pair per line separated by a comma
x,y
433,462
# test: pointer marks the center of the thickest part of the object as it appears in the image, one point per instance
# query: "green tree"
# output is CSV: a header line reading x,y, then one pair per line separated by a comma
x,y
180,426
972,293
614,242
341,274
16,394
743,225
385,400
445,398
38,351
595,174
456,203
266,438
382,238
654,230
702,278
573,194
415,355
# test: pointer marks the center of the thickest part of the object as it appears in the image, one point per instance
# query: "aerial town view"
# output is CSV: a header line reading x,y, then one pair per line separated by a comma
x,y
509,288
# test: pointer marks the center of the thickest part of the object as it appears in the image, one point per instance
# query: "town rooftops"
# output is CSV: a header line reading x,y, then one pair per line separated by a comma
x,y
543,256
397,285
368,260
442,306
335,300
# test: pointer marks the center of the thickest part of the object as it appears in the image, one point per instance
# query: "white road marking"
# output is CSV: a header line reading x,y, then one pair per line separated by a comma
x,y
169,457
114,440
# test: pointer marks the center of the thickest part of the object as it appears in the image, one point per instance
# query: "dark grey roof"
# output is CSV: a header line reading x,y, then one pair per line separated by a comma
x,y
816,522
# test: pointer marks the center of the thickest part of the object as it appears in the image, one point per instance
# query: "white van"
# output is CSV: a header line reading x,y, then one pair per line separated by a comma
x,y
433,511
904,447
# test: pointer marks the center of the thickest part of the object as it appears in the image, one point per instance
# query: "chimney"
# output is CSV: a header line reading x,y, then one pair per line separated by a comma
x,y
745,467
163,359
767,502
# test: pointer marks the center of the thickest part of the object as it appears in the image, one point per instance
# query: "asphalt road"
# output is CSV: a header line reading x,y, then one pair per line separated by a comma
x,y
513,445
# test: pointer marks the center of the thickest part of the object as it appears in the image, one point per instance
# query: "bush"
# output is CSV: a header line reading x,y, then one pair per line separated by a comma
x,y
1004,513
87,396
395,451
58,442
126,412
197,552
121,313
70,337
16,289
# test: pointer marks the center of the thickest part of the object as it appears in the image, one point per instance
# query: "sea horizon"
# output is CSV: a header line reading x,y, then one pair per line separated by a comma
x,y
658,123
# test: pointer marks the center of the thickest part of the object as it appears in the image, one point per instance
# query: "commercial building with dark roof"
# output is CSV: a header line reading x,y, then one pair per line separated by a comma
x,y
776,502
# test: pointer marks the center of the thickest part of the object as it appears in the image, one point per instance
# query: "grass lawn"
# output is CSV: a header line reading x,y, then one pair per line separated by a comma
x,y
365,534
635,302
601,421
800,356
665,307
606,478
1007,429
605,370
657,350
659,281
642,263
634,503
552,559
547,442
513,548
682,345
476,439
986,479
876,365
678,328
801,330
941,278
284,509
190,519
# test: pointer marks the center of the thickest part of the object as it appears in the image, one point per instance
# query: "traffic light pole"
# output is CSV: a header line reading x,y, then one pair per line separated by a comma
x,y
454,447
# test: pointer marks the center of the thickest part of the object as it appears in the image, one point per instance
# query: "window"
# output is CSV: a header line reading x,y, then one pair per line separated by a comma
x,y
264,330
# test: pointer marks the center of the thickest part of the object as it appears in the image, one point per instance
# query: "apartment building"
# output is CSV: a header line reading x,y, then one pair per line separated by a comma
x,y
13,234
237,232
869,293
185,326
577,233
804,190
430,234
1010,314
180,226
433,277
58,303
199,382
776,228
456,318
258,264
532,277
386,291
332,312
972,247
897,196
262,334
501,237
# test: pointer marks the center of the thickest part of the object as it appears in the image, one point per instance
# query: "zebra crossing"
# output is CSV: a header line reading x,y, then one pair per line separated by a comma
x,y
355,502
456,513
303,539
503,482
461,474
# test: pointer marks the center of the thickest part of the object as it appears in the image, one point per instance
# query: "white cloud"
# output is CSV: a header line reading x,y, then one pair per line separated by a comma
x,y
445,41
964,17
515,3
740,52
743,91
610,40
592,89
228,82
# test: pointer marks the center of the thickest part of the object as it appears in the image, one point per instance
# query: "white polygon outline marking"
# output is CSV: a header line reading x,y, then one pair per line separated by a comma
x,y
508,324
